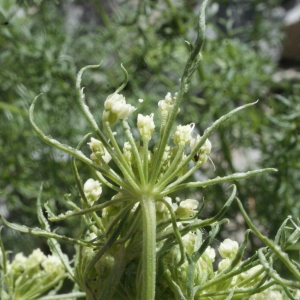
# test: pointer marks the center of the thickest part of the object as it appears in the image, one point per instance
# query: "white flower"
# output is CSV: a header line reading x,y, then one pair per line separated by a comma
x,y
116,108
189,242
127,152
183,134
205,148
269,294
52,265
187,208
114,99
98,149
165,106
35,258
145,125
223,264
92,190
211,253
96,145
166,155
123,111
228,248
18,264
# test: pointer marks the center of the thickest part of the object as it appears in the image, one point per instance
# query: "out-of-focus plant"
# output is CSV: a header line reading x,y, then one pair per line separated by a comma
x,y
142,244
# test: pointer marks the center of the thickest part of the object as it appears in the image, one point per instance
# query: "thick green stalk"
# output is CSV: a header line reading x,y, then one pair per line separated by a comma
x,y
149,247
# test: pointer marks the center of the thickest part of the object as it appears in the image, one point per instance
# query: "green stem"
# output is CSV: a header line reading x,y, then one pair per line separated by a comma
x,y
145,157
120,160
166,177
135,151
149,247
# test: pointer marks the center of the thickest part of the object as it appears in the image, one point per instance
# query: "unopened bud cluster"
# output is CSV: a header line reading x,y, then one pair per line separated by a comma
x,y
27,277
115,107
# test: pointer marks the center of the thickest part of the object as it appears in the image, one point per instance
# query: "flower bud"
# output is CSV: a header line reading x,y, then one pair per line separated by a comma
x,y
145,125
116,108
35,259
114,99
92,190
228,248
165,106
52,265
223,264
187,208
183,134
18,264
189,242
211,253
127,152
203,151
96,146
98,150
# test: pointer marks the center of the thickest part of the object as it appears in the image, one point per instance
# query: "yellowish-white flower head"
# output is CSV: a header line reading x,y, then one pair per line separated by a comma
x,y
35,259
269,294
127,152
187,208
228,248
116,108
189,242
182,134
145,125
166,105
52,265
18,264
92,190
98,150
203,151
211,253
224,263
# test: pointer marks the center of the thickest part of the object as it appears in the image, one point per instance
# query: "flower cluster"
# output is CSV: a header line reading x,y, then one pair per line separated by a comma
x,y
99,153
29,277
92,190
115,107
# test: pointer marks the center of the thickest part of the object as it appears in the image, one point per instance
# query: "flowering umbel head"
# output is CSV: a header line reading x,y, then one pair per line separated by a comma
x,y
30,277
183,134
204,150
92,190
145,125
99,153
115,107
228,248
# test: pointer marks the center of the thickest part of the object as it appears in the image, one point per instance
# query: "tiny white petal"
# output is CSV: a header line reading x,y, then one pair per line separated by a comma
x,y
92,190
228,248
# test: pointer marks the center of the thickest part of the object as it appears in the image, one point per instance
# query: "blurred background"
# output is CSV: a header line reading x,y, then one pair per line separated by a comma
x,y
251,52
